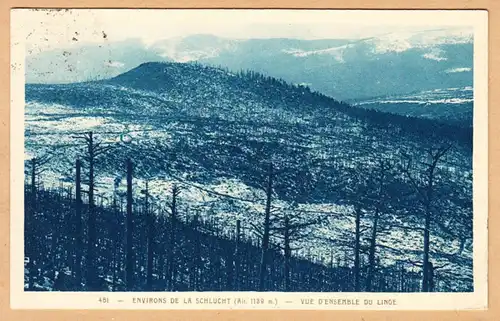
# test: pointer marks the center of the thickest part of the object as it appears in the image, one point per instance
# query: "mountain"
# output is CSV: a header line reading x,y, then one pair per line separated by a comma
x,y
449,105
391,64
214,133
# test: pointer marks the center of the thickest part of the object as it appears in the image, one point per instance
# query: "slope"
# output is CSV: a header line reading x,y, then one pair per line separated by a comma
x,y
215,132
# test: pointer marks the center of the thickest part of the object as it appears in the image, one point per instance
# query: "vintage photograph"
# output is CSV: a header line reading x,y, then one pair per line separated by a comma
x,y
248,151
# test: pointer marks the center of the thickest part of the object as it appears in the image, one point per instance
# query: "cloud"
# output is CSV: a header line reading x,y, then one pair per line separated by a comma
x,y
45,29
461,69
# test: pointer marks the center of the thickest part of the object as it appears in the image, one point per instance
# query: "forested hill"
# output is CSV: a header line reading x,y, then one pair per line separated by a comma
x,y
216,133
244,94
189,89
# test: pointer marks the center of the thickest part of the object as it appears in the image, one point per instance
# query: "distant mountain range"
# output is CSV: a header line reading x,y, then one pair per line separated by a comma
x,y
346,69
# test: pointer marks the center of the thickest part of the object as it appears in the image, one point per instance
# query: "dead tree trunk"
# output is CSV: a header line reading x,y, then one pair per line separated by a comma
x,y
116,241
94,150
425,282
130,226
198,263
265,238
229,251
402,279
357,250
430,277
237,257
160,232
33,245
30,224
288,253
371,255
428,199
384,167
172,248
150,220
79,225
91,234
229,265
426,194
33,184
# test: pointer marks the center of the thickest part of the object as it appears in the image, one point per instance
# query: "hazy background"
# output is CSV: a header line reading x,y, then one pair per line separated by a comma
x,y
348,55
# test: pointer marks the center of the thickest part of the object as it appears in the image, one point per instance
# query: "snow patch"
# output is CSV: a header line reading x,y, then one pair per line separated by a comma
x,y
391,43
421,102
402,41
337,52
455,70
70,123
435,54
188,56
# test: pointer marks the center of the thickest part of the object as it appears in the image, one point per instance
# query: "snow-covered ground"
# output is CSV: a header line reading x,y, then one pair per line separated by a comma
x,y
50,129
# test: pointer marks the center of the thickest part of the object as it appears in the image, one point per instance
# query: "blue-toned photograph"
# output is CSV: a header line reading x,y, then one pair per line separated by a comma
x,y
193,151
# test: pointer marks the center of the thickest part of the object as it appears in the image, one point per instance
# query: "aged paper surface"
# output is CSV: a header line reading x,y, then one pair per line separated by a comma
x,y
329,258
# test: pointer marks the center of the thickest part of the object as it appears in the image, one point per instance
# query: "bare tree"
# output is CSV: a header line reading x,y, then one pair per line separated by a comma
x,y
357,248
130,226
32,245
266,235
359,191
293,226
364,192
424,186
37,169
172,248
94,149
236,262
78,224
150,237
383,168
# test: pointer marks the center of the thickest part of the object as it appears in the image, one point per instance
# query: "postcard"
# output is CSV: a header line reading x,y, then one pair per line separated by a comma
x,y
249,159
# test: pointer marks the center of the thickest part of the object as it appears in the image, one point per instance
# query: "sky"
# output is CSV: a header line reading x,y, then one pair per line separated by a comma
x,y
49,28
